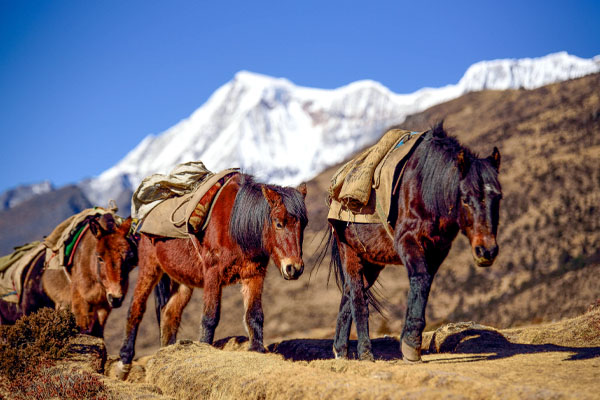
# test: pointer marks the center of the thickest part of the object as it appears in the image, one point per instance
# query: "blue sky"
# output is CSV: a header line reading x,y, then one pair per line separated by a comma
x,y
83,82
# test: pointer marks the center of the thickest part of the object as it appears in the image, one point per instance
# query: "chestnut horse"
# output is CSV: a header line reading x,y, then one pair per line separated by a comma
x,y
99,275
444,189
250,224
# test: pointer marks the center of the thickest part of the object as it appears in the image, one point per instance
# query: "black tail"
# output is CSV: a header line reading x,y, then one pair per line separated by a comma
x,y
327,245
337,270
162,294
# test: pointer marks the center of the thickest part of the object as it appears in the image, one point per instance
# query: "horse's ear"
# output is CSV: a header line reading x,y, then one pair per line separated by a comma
x,y
438,129
495,158
107,222
273,198
126,225
463,163
95,228
302,189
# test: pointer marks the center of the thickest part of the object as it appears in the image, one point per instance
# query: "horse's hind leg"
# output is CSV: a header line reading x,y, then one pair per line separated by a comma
x,y
344,319
353,269
253,315
171,313
343,325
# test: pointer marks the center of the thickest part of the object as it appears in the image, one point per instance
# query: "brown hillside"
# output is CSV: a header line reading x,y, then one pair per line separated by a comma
x,y
549,235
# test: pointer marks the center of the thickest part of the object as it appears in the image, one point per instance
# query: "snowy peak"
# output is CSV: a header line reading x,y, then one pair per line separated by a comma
x,y
285,133
527,73
15,196
255,80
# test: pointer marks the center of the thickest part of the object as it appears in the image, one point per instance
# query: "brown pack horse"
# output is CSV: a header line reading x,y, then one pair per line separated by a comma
x,y
96,283
250,224
444,189
99,275
33,297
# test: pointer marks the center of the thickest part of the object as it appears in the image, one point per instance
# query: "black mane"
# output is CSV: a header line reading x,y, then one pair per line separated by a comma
x,y
251,211
437,166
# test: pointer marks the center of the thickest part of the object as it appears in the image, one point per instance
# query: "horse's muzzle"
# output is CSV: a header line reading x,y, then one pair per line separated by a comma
x,y
484,257
115,302
292,271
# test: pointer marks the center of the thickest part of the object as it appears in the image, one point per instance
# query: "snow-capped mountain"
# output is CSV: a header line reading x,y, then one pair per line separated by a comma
x,y
15,196
285,133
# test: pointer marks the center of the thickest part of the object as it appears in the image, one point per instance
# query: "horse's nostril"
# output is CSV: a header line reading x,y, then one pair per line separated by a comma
x,y
493,252
289,270
113,300
485,253
480,252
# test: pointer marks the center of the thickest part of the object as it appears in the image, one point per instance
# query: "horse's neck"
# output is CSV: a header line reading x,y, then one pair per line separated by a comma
x,y
84,264
445,222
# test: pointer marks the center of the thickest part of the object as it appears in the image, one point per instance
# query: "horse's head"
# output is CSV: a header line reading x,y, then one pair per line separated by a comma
x,y
479,204
284,230
116,254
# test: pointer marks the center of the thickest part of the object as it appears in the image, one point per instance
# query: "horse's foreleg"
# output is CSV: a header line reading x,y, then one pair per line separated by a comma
x,y
102,314
149,274
412,333
84,317
420,276
253,315
212,305
171,314
343,325
358,300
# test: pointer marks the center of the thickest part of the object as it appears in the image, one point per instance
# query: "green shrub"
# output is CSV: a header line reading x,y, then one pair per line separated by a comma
x,y
34,340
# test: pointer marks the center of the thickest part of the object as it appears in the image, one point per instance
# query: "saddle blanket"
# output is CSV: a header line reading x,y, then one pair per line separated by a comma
x,y
178,216
361,190
62,236
14,266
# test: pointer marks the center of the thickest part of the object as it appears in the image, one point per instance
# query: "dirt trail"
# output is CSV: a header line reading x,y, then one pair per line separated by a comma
x,y
464,360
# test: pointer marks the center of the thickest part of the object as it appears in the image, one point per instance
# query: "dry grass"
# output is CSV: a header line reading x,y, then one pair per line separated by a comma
x,y
483,363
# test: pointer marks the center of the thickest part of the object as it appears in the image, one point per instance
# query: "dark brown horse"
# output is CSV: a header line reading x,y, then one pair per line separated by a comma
x,y
250,224
99,276
444,189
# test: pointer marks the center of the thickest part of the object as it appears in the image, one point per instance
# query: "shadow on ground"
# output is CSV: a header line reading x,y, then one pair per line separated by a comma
x,y
484,341
483,344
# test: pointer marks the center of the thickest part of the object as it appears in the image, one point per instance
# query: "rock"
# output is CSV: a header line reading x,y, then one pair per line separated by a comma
x,y
88,352
466,337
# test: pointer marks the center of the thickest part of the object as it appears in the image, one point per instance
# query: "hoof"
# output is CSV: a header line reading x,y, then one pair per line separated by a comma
x,y
410,354
257,348
366,356
342,354
122,370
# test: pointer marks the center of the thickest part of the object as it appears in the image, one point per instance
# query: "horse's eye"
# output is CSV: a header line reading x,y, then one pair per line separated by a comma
x,y
278,225
100,259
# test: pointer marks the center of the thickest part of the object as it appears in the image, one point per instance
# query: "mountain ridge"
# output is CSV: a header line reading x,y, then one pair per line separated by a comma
x,y
285,133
